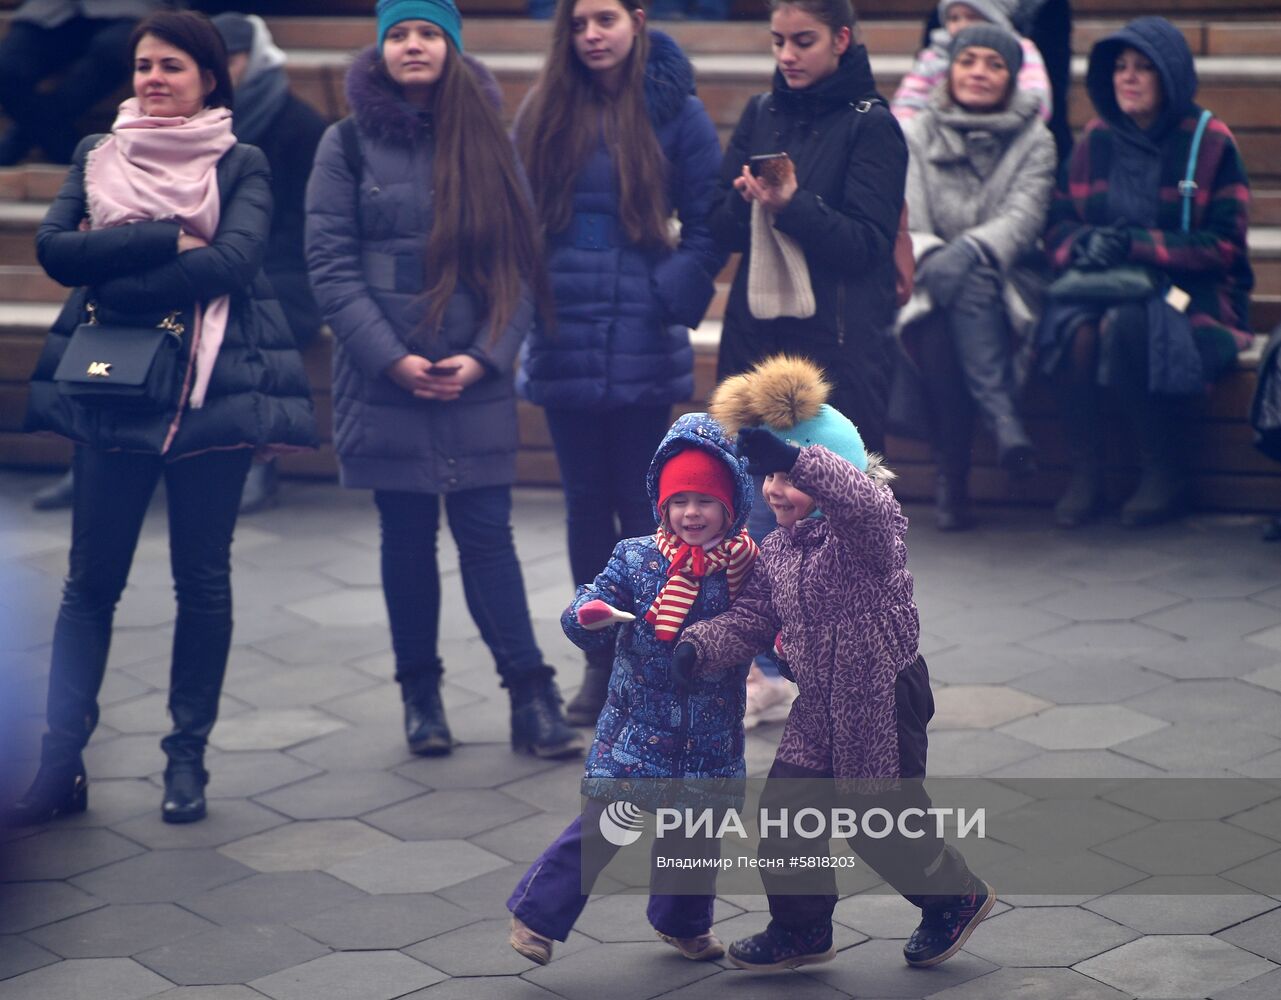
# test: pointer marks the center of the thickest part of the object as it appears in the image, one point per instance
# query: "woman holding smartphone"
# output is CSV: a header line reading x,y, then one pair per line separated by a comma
x,y
615,143
835,197
423,270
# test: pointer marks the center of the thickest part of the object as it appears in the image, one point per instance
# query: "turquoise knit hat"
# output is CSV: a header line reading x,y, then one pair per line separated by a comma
x,y
832,429
442,13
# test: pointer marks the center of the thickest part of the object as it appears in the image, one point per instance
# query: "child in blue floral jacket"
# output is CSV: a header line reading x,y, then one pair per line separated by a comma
x,y
655,725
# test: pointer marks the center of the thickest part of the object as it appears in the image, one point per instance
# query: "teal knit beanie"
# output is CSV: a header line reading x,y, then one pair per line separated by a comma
x,y
442,13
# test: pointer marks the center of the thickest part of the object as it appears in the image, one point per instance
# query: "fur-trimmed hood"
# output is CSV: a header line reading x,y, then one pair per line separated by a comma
x,y
380,109
669,78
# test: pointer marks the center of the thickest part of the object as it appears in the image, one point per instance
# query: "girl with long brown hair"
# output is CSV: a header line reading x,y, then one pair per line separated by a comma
x,y
423,251
615,143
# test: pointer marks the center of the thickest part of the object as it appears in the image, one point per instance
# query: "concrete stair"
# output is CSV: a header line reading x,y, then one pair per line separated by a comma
x,y
1239,63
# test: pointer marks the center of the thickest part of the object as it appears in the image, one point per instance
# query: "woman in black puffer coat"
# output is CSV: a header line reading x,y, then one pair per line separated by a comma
x,y
249,394
841,206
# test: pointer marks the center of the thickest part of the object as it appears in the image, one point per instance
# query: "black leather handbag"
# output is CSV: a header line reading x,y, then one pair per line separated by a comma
x,y
1123,283
135,368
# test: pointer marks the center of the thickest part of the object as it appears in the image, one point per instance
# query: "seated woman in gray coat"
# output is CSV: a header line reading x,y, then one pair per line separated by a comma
x,y
980,174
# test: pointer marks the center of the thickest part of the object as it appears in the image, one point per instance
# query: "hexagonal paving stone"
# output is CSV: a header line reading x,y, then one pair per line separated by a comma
x,y
1267,766
486,895
1261,935
448,815
119,930
250,772
54,854
480,949
1178,965
307,846
341,795
1188,847
300,687
1205,659
1265,987
273,730
326,645
1045,936
161,876
878,915
417,867
1200,746
1083,727
232,954
209,993
1266,677
374,922
981,706
1100,638
1002,623
1090,683
1054,826
228,820
1213,619
1201,913
1200,798
988,663
18,955
974,752
635,973
24,905
1107,602
1206,701
879,971
357,748
86,979
1260,875
1031,984
482,988
357,975
526,839
276,898
1209,578
1077,764
124,757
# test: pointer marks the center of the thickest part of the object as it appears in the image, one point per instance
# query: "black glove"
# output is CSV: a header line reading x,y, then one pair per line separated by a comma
x,y
1101,248
684,663
944,271
765,453
783,669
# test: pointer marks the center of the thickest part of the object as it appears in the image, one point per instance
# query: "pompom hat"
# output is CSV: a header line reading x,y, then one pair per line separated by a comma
x,y
788,397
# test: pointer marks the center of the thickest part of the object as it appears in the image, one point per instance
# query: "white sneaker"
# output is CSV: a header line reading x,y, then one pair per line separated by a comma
x,y
769,699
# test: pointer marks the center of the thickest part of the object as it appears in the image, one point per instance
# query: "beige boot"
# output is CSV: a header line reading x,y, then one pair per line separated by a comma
x,y
703,948
530,943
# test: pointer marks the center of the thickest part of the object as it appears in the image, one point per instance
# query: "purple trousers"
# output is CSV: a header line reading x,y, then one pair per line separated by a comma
x,y
549,898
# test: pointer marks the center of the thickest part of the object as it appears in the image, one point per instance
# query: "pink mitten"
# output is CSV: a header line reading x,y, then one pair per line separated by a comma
x,y
597,614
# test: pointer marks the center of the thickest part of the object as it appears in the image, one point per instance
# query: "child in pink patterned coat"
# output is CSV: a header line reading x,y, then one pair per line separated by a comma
x,y
831,591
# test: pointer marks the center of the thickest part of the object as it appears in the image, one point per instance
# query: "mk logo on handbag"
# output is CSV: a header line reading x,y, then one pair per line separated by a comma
x,y
100,369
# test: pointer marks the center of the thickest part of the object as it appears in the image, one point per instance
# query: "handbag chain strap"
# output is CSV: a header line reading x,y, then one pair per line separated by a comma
x,y
169,324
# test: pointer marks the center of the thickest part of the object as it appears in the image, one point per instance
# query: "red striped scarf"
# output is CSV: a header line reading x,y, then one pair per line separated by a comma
x,y
688,565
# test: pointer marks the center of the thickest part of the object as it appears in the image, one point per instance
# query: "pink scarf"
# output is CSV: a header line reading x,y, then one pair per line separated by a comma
x,y
154,169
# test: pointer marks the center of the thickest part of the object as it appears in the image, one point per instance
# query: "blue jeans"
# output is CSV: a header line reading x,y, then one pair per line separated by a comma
x,y
760,522
604,457
480,521
549,897
112,492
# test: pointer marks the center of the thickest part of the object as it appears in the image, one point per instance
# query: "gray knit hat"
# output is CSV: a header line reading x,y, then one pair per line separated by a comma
x,y
989,36
994,11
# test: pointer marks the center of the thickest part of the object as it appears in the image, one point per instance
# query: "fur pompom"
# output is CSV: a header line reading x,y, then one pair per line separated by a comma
x,y
731,404
787,390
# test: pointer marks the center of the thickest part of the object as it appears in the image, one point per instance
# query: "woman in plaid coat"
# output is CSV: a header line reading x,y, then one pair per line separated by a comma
x,y
1121,202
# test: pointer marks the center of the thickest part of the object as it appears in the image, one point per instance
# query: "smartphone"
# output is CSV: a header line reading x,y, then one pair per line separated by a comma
x,y
764,165
444,371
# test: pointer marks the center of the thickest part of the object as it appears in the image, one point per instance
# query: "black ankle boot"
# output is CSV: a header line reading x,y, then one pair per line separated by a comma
x,y
584,708
538,727
58,790
426,730
952,503
184,793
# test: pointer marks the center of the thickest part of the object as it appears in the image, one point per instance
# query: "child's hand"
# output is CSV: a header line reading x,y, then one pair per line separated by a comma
x,y
765,453
596,615
684,663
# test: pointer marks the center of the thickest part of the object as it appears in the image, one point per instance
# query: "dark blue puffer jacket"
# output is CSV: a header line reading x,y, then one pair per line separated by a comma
x,y
622,312
650,727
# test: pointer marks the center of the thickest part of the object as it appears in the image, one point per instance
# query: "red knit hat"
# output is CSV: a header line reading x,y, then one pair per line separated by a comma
x,y
694,470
